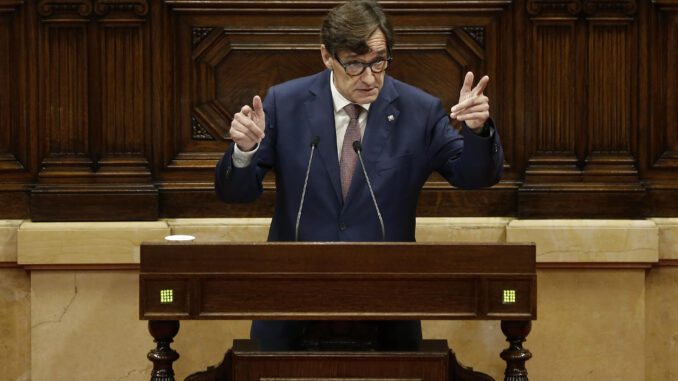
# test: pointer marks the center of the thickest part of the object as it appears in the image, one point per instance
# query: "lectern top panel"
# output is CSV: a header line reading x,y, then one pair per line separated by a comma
x,y
330,281
354,257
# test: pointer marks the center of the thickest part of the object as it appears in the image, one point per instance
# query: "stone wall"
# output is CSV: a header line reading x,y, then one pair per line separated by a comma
x,y
607,299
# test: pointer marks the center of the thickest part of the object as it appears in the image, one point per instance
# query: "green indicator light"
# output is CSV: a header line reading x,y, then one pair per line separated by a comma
x,y
509,297
166,296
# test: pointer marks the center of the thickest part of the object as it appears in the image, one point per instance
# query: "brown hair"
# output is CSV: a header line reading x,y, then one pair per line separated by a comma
x,y
348,26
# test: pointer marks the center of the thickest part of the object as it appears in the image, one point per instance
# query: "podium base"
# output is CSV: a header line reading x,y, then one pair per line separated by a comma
x,y
433,361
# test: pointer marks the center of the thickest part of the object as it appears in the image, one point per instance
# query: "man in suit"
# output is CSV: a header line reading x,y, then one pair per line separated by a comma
x,y
405,135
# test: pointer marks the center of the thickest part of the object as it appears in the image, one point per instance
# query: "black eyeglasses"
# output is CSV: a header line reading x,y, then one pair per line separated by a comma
x,y
356,68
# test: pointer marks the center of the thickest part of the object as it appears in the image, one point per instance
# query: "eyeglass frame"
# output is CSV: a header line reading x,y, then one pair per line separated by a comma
x,y
365,65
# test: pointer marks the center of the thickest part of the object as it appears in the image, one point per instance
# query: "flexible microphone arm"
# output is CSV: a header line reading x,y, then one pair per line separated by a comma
x,y
314,144
357,147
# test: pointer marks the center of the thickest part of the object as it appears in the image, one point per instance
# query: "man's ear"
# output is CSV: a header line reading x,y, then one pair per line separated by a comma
x,y
326,56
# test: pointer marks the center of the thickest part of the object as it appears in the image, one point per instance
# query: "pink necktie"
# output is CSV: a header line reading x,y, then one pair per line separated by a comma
x,y
348,156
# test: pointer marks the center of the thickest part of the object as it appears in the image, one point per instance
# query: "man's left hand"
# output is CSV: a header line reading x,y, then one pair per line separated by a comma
x,y
473,107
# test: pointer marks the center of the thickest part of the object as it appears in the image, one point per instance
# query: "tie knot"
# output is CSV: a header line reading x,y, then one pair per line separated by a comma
x,y
353,110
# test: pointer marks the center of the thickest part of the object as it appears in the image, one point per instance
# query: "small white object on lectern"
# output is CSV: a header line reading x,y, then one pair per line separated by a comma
x,y
179,237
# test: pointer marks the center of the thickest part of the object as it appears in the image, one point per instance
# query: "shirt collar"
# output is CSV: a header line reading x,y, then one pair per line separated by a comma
x,y
339,101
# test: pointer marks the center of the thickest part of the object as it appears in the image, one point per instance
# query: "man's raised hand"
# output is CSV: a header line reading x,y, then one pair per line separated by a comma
x,y
473,107
247,128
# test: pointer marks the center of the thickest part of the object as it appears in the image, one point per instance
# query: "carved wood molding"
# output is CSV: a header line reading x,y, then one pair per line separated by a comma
x,y
198,132
595,265
80,267
606,7
321,6
666,5
9,6
103,7
664,150
477,33
550,7
46,8
84,8
9,162
669,262
198,34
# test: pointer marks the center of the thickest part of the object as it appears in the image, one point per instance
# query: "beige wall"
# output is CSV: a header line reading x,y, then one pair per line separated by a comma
x,y
606,299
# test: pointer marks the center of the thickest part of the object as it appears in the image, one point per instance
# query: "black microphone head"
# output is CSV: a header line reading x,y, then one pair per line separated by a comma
x,y
357,147
314,141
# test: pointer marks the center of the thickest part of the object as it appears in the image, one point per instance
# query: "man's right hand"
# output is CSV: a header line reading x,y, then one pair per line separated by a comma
x,y
247,128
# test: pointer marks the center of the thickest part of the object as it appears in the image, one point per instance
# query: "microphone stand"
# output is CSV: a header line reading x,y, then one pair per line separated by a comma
x,y
314,144
357,147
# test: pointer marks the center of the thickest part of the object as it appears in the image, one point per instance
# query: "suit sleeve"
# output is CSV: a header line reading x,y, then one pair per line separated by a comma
x,y
465,159
242,185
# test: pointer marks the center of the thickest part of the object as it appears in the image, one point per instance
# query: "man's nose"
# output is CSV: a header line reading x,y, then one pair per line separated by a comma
x,y
368,76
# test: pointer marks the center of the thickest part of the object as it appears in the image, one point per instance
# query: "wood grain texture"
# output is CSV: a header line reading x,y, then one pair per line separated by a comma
x,y
348,281
134,98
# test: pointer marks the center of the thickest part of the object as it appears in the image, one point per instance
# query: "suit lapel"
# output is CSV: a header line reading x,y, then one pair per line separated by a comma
x,y
320,116
382,116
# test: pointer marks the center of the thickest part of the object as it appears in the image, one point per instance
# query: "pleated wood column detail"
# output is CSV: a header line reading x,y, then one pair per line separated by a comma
x,y
94,99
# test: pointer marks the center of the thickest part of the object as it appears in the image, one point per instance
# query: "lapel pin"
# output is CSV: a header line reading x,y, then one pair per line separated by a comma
x,y
391,118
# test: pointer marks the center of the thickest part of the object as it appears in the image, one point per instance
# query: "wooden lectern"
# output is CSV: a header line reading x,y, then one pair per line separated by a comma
x,y
338,281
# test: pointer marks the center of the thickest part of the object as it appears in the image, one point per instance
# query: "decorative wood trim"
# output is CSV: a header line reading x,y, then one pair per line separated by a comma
x,y
118,202
46,8
666,5
10,6
595,7
477,33
198,132
581,200
540,266
663,113
17,110
198,34
550,7
611,121
552,147
595,265
81,267
321,7
103,7
667,262
122,69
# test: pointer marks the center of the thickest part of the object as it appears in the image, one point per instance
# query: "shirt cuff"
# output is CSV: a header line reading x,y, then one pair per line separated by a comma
x,y
243,159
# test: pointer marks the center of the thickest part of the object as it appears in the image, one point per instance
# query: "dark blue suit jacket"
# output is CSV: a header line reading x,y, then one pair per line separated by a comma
x,y
399,156
407,137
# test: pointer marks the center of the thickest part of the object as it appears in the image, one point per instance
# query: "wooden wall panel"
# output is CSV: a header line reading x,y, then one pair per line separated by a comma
x,y
661,138
556,97
611,84
553,102
64,94
14,185
122,112
120,109
6,113
94,102
221,66
595,114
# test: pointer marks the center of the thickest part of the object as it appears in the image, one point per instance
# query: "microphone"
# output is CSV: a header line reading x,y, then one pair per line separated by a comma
x,y
357,147
314,144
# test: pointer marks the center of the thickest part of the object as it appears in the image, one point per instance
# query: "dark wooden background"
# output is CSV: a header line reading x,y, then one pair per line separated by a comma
x,y
120,109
